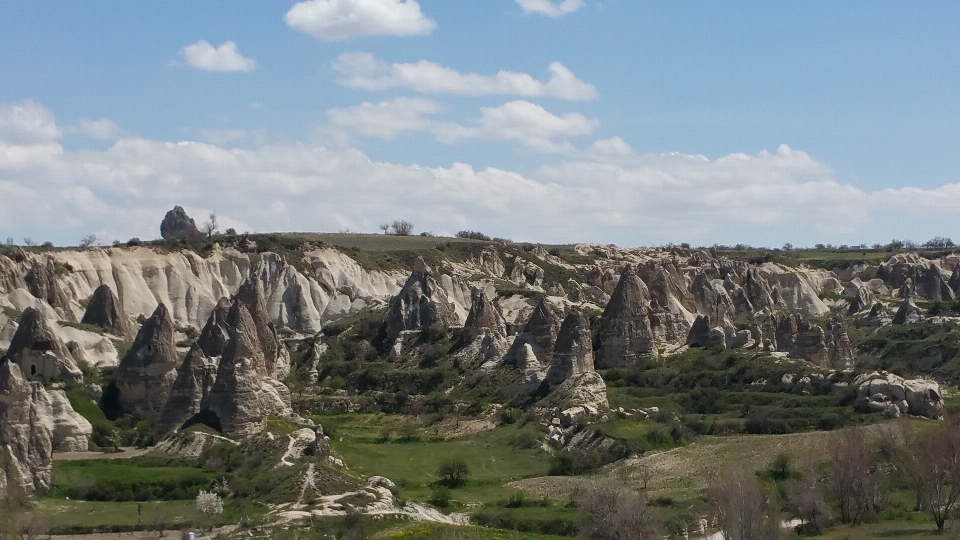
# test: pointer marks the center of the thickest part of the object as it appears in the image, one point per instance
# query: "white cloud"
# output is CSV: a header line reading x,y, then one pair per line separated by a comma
x,y
550,9
522,121
206,57
223,136
333,20
387,118
102,129
364,71
27,122
526,122
612,194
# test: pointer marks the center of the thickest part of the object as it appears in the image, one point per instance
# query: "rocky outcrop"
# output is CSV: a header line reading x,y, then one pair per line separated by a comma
x,y
908,312
236,396
105,311
42,282
526,273
839,350
69,432
573,351
25,446
40,354
419,304
879,316
861,300
626,335
877,392
587,390
215,334
711,300
703,335
484,314
933,287
190,392
276,359
148,370
800,339
177,225
532,348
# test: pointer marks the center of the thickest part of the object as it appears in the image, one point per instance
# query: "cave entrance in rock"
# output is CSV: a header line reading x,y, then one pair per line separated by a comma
x,y
205,417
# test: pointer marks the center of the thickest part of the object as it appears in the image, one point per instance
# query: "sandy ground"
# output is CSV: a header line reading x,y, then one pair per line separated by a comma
x,y
124,453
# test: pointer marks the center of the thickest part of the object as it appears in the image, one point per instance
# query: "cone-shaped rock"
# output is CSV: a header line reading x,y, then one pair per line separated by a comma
x,y
484,314
148,370
860,302
625,332
250,295
190,391
40,354
537,338
42,282
839,350
573,351
235,398
908,312
26,449
933,286
105,311
215,334
420,303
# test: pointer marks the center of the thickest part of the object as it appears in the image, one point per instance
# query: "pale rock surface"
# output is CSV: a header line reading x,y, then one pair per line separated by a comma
x,y
69,432
573,351
40,353
148,370
625,334
420,303
105,311
24,439
908,312
895,395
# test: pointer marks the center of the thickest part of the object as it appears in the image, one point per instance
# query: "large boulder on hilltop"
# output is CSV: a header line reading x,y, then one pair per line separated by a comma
x,y
40,354
177,225
148,370
573,350
626,335
106,311
190,392
42,282
26,450
235,397
419,304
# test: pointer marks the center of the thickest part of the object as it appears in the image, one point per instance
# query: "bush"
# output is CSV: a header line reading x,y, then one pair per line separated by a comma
x,y
453,472
473,235
440,496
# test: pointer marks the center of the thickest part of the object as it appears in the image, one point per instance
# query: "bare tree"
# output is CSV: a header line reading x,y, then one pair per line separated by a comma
x,y
856,483
210,227
385,227
934,465
613,512
27,241
805,498
88,241
742,509
402,227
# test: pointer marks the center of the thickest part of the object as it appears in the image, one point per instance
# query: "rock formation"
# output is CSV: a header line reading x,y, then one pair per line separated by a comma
x,y
69,432
190,392
908,312
860,301
177,225
106,311
484,315
532,348
797,337
573,350
42,282
40,354
626,335
526,273
839,350
703,335
148,370
420,303
215,334
894,395
25,446
276,360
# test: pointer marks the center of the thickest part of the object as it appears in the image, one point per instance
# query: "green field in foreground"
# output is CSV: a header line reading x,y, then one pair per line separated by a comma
x,y
413,464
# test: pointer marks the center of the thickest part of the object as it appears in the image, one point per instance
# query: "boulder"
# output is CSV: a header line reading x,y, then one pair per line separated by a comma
x,y
106,311
933,287
701,334
895,395
177,225
40,354
879,316
26,449
573,351
626,335
587,390
148,370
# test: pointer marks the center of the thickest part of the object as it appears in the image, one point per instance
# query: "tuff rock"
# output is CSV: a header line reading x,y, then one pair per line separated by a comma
x,y
148,370
106,311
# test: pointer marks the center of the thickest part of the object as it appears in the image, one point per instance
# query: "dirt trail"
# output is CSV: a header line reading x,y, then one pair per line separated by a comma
x,y
124,453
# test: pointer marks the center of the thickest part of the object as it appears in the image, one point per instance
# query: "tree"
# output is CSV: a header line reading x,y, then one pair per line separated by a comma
x,y
806,500
453,472
742,509
385,227
88,241
855,482
27,241
610,511
208,504
402,227
938,242
210,227
934,466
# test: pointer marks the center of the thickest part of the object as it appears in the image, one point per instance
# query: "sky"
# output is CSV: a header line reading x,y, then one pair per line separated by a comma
x,y
556,121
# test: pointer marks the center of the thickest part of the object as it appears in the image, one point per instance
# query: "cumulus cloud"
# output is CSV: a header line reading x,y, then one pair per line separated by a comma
x,y
333,20
387,118
27,122
522,121
610,193
102,129
204,56
549,8
364,71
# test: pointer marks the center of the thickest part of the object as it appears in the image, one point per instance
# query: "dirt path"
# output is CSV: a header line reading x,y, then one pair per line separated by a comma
x,y
124,453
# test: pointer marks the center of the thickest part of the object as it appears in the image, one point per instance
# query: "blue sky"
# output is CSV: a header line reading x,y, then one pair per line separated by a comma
x,y
637,123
